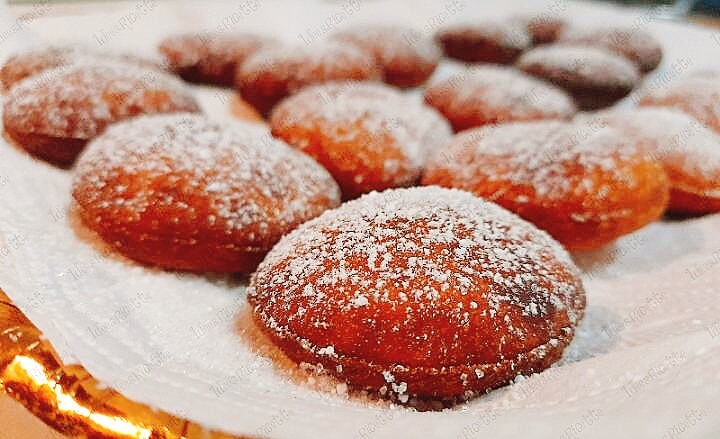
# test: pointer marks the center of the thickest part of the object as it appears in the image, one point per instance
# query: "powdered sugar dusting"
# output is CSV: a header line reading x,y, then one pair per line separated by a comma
x,y
508,33
187,50
687,149
495,91
393,42
77,101
439,256
595,65
697,95
542,155
38,59
635,44
253,182
302,65
382,112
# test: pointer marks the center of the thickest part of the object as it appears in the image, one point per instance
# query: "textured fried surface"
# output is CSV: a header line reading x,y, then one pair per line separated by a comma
x,y
423,292
486,95
406,56
595,77
210,59
498,42
689,152
53,113
369,136
584,184
274,73
180,192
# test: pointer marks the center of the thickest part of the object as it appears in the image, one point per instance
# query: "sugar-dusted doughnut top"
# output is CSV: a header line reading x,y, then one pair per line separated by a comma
x,y
194,175
688,150
302,65
489,94
636,45
77,101
507,33
556,159
697,95
386,117
419,277
581,64
187,50
393,43
36,60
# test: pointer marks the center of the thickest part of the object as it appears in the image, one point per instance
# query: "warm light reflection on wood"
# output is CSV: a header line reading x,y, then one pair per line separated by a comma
x,y
30,371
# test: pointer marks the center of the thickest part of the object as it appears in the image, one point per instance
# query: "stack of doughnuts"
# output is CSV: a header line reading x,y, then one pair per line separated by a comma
x,y
413,245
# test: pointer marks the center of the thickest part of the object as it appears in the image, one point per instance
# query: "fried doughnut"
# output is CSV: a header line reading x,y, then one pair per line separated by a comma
x,y
34,61
596,78
697,95
406,56
274,73
53,115
368,135
210,59
582,183
490,94
689,152
423,292
498,42
544,28
181,192
636,45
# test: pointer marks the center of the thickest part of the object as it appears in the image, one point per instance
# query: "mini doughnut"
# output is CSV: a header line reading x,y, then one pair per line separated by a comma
x,y
180,192
54,114
34,61
406,56
636,45
274,73
498,42
211,58
368,135
596,78
697,95
490,94
544,27
582,183
423,292
689,152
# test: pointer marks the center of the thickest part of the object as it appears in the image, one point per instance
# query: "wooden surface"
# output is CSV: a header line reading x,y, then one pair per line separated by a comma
x,y
18,423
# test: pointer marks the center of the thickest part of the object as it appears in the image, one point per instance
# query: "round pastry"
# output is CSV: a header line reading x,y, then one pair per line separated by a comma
x,y
34,61
584,184
498,42
689,152
491,94
180,192
274,73
423,292
697,95
636,45
544,28
212,58
54,114
406,56
368,135
595,77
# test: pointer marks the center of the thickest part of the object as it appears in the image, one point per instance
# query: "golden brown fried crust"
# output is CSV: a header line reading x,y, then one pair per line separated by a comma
x,y
440,317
